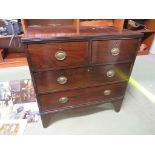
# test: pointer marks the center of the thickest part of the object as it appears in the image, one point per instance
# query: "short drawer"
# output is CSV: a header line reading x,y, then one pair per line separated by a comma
x,y
57,55
69,99
114,50
60,80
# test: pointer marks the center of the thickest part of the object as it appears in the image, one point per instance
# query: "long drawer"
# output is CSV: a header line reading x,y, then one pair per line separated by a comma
x,y
112,51
58,55
69,99
60,80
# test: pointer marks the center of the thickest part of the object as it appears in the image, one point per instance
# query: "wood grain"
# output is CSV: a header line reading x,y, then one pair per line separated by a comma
x,y
50,102
101,50
44,34
43,55
80,77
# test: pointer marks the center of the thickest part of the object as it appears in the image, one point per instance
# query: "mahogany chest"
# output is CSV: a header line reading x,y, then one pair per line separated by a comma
x,y
75,70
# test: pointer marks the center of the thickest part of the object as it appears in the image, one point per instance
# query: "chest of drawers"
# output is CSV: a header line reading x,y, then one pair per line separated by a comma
x,y
75,70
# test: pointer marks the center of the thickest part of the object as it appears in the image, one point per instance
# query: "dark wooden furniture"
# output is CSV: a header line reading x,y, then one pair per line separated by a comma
x,y
75,68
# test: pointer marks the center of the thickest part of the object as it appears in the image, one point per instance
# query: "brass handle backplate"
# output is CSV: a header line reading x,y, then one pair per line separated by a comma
x,y
62,80
60,55
107,92
115,51
63,100
110,73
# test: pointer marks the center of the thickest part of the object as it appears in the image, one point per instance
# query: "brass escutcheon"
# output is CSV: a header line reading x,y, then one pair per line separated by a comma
x,y
62,80
107,92
115,51
60,55
110,73
63,100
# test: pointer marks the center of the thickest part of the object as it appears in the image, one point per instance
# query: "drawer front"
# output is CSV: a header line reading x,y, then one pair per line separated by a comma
x,y
80,96
57,55
114,51
59,80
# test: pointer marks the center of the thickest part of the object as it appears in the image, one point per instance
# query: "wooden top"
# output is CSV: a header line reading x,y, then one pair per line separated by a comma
x,y
47,33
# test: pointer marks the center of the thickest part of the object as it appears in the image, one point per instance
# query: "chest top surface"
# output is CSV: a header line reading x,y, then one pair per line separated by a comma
x,y
47,33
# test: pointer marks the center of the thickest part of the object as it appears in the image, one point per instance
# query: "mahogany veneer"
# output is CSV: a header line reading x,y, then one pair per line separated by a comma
x,y
73,69
80,97
92,76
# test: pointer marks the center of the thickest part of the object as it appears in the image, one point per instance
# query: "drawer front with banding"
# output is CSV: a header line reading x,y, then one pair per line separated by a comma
x,y
58,55
74,98
114,51
60,80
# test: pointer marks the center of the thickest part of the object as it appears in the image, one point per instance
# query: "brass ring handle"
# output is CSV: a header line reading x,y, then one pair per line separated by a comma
x,y
110,73
60,55
62,80
115,51
63,100
107,92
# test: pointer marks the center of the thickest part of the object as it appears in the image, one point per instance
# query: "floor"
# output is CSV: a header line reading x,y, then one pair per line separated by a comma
x,y
137,115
